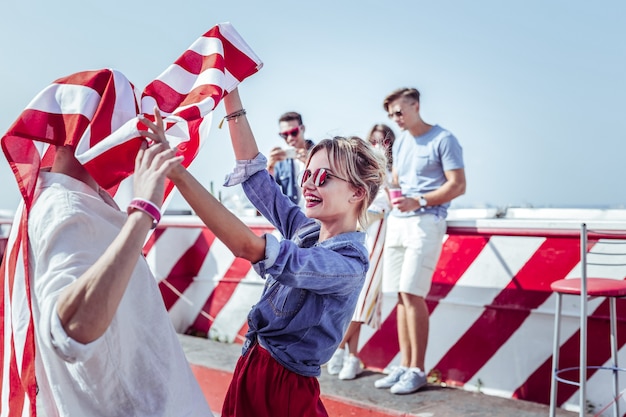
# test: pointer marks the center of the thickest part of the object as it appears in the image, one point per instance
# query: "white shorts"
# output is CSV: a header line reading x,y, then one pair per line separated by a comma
x,y
412,248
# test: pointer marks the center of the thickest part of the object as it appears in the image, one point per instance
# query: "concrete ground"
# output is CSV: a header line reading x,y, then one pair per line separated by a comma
x,y
213,363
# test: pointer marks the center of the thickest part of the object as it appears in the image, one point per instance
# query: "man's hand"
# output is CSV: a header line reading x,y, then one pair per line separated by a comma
x,y
405,204
277,154
154,161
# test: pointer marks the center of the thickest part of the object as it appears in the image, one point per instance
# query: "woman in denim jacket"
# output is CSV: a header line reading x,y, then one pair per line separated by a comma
x,y
314,276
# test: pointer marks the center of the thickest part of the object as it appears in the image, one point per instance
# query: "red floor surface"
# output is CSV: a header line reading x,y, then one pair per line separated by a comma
x,y
214,384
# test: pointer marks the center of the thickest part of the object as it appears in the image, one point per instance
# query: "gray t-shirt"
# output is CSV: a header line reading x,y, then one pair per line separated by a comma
x,y
421,162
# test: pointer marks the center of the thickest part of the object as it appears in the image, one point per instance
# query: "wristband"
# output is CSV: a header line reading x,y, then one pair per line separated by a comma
x,y
147,207
232,116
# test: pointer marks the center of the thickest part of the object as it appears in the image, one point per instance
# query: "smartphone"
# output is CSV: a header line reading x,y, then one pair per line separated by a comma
x,y
291,153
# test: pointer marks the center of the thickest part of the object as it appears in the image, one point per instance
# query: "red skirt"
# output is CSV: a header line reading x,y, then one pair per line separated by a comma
x,y
262,387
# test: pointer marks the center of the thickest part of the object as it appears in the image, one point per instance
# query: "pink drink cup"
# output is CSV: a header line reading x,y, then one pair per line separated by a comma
x,y
394,193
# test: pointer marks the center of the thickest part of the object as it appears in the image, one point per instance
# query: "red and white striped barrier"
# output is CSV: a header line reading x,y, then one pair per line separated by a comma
x,y
491,306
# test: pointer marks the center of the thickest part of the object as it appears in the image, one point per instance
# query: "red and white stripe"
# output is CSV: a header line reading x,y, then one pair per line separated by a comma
x,y
18,365
491,306
97,112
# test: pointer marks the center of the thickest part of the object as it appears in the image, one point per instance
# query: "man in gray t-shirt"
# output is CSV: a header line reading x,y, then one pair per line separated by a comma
x,y
428,168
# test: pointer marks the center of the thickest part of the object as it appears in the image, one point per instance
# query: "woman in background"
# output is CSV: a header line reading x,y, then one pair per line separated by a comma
x,y
345,362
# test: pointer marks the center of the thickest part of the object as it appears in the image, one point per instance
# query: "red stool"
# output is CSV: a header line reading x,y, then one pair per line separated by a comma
x,y
585,288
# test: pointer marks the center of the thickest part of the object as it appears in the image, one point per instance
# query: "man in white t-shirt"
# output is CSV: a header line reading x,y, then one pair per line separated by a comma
x,y
104,343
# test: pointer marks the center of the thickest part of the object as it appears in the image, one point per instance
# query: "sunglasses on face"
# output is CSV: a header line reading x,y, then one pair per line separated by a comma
x,y
292,132
395,114
385,142
320,176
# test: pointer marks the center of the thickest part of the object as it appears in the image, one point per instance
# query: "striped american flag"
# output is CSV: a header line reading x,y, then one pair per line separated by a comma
x,y
97,113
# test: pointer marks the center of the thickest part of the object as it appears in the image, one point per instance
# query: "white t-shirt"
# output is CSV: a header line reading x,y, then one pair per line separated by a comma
x,y
138,367
298,168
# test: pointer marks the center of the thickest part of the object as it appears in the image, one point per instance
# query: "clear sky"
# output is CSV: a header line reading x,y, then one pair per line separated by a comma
x,y
534,90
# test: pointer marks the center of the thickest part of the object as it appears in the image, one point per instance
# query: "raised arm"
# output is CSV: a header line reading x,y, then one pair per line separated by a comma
x,y
227,227
241,136
87,306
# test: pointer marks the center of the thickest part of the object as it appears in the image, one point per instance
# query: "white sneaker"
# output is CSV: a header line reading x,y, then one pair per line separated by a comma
x,y
392,378
336,362
351,368
412,380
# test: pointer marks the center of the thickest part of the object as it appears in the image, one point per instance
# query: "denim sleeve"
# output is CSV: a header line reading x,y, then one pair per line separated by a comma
x,y
267,197
272,247
318,269
244,169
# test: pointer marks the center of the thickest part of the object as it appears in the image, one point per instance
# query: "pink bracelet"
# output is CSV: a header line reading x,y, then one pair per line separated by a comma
x,y
147,207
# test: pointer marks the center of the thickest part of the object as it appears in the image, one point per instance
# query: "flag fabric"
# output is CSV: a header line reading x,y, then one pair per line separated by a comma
x,y
97,112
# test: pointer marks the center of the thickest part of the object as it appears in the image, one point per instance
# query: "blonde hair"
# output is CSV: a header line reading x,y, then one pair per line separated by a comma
x,y
357,161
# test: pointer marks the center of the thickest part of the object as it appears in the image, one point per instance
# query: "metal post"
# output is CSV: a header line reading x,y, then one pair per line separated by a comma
x,y
613,323
583,320
556,344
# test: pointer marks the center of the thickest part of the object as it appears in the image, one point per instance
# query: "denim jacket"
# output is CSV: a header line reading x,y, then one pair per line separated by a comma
x,y
311,287
286,176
